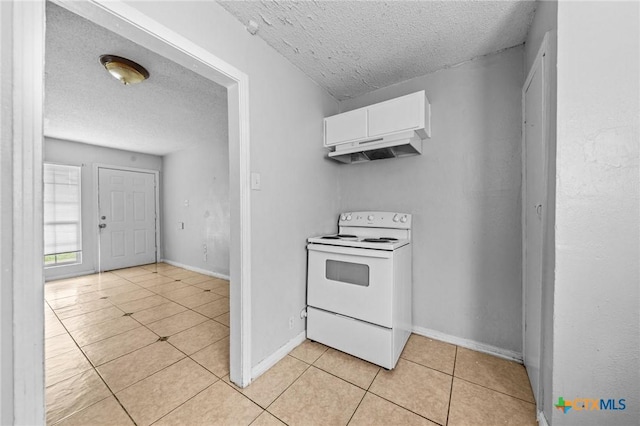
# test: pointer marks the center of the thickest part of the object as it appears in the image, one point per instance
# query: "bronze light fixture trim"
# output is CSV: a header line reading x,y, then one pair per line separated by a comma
x,y
124,70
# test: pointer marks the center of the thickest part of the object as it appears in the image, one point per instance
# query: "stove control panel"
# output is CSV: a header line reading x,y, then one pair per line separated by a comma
x,y
376,219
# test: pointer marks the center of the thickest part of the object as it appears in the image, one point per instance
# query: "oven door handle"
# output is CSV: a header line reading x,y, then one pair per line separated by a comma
x,y
350,251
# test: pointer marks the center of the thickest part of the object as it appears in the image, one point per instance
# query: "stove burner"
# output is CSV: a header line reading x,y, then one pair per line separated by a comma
x,y
380,240
375,240
340,237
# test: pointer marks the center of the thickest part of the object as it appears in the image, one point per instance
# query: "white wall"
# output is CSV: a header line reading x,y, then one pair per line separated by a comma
x,y
298,197
79,154
597,322
200,176
6,215
464,193
546,20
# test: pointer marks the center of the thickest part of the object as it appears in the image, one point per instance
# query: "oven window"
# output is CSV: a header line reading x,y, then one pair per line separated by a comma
x,y
347,272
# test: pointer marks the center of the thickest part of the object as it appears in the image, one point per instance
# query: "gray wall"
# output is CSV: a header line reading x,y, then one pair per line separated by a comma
x,y
298,197
597,323
79,154
464,193
546,20
200,176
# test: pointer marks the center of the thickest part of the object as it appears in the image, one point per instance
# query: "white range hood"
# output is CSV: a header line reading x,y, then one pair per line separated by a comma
x,y
390,146
390,129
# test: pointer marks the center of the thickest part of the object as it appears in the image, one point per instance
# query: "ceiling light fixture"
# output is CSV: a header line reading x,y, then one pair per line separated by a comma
x,y
124,70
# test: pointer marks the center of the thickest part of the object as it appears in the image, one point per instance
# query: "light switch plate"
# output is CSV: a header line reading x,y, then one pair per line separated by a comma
x,y
255,181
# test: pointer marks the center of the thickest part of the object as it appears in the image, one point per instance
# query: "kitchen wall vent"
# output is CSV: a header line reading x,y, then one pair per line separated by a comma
x,y
390,129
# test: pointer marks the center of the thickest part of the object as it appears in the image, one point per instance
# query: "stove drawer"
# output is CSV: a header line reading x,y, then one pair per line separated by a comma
x,y
366,341
354,282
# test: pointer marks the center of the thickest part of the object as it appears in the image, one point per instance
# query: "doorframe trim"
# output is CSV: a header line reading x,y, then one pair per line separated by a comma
x,y
22,390
538,63
96,204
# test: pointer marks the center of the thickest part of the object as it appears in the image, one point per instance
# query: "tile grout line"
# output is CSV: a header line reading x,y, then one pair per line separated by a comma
x,y
369,387
95,323
455,358
374,379
280,394
494,390
366,391
300,359
81,313
132,384
426,366
189,399
395,403
405,408
345,380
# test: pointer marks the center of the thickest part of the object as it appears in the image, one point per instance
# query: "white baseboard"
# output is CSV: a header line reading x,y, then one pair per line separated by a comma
x,y
272,359
198,270
542,420
69,275
469,344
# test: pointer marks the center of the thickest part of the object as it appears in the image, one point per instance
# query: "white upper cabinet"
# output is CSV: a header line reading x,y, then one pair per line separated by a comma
x,y
397,115
346,127
406,113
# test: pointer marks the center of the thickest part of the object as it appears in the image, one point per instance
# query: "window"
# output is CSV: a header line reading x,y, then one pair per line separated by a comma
x,y
62,227
347,272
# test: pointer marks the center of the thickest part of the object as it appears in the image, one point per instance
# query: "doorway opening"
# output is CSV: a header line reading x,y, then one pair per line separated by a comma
x,y
137,27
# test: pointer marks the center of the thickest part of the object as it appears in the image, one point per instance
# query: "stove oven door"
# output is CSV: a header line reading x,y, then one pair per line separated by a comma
x,y
353,282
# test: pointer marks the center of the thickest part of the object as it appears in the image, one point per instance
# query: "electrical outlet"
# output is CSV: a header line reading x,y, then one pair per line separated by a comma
x,y
290,323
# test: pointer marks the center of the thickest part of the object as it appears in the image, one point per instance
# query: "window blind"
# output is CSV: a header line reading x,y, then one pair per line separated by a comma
x,y
62,231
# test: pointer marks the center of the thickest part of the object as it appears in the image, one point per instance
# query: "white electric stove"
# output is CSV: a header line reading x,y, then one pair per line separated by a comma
x,y
359,286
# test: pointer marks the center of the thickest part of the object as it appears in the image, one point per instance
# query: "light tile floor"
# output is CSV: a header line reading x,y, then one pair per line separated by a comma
x,y
150,345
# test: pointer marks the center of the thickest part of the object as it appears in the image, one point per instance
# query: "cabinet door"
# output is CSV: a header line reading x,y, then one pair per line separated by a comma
x,y
395,115
345,127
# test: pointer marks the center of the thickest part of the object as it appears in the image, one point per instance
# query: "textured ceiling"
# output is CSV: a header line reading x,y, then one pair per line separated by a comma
x,y
354,47
174,109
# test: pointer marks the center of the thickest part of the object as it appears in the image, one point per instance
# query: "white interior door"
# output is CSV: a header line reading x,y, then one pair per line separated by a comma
x,y
533,210
126,218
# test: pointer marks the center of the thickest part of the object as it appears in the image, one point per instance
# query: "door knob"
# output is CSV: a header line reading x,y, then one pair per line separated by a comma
x,y
102,225
539,210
